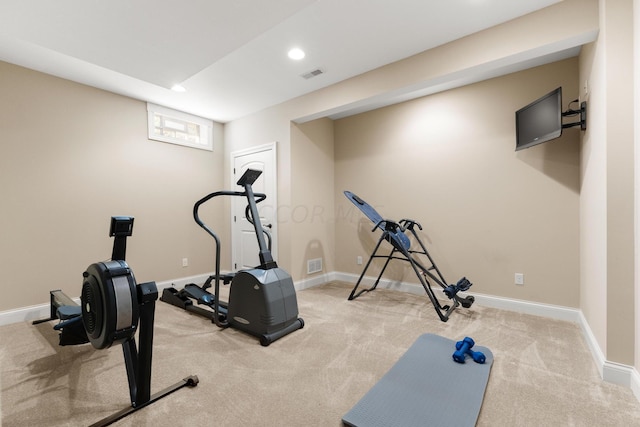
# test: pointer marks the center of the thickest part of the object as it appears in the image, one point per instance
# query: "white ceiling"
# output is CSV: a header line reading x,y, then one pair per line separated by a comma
x,y
231,56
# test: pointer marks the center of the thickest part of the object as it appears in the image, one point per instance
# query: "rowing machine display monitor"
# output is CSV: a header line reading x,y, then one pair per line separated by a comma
x,y
121,228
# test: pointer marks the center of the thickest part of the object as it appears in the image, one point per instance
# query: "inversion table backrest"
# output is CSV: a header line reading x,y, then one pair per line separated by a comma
x,y
396,235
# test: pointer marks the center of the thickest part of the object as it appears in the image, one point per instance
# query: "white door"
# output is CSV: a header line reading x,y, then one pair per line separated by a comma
x,y
245,248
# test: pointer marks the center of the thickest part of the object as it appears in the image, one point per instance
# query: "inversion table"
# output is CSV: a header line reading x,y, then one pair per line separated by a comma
x,y
394,233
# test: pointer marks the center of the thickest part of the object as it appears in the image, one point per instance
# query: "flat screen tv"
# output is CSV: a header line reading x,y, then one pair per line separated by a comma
x,y
539,121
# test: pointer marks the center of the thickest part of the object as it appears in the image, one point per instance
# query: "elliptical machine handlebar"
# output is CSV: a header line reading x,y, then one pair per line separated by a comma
x,y
196,216
259,197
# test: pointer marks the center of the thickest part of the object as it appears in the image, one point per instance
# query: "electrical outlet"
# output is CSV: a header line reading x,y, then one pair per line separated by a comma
x,y
185,262
519,279
359,260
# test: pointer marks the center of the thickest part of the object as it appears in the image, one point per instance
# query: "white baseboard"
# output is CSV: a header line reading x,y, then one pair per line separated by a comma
x,y
635,383
594,347
42,311
180,283
25,314
612,372
527,307
412,288
617,373
315,280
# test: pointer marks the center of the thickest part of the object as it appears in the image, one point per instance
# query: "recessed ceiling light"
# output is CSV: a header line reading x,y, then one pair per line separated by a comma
x,y
178,88
296,54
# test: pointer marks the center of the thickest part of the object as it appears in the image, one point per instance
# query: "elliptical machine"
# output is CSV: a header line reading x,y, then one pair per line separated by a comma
x,y
113,307
262,300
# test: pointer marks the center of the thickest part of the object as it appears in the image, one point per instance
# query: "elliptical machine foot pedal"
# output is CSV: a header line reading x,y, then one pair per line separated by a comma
x,y
199,294
226,279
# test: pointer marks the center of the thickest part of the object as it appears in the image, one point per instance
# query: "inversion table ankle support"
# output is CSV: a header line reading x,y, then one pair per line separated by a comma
x,y
394,233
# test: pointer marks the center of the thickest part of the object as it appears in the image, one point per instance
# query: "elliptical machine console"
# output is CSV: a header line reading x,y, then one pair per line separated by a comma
x,y
262,300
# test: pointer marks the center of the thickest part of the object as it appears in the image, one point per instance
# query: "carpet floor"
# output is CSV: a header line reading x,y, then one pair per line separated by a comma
x,y
543,373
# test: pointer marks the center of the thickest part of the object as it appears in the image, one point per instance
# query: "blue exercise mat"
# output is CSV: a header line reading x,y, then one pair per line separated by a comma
x,y
425,388
398,238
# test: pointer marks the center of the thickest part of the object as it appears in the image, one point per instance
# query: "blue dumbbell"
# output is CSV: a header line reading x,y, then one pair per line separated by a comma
x,y
463,348
477,356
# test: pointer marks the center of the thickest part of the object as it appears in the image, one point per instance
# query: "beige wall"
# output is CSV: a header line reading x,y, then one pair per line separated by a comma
x,y
607,195
73,154
444,64
448,161
600,291
636,115
618,27
593,197
71,157
312,208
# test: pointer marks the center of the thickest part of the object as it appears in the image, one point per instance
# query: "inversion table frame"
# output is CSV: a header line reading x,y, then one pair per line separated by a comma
x,y
394,233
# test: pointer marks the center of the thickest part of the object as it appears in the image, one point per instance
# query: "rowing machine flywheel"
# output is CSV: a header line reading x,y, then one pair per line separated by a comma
x,y
110,309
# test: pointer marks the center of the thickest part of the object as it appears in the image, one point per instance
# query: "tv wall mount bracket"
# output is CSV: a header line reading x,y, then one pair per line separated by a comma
x,y
583,116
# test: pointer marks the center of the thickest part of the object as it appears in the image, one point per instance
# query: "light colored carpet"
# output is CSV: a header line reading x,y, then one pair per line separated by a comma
x,y
543,373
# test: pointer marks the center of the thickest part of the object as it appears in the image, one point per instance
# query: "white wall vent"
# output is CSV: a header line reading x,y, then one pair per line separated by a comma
x,y
314,265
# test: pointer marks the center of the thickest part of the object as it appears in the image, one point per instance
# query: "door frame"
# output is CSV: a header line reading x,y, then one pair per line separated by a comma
x,y
271,147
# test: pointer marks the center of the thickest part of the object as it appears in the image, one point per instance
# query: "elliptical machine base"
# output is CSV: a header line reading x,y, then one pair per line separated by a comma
x,y
263,303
